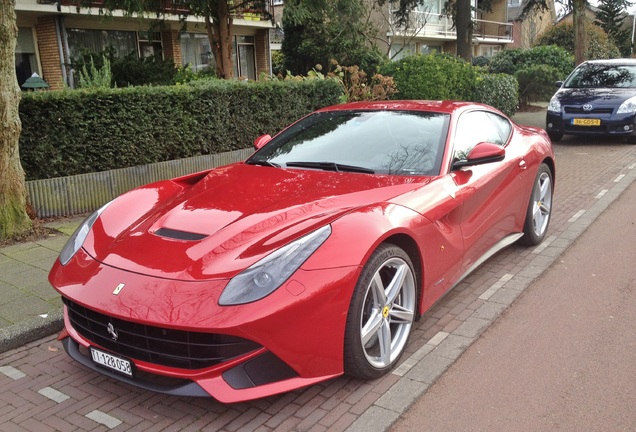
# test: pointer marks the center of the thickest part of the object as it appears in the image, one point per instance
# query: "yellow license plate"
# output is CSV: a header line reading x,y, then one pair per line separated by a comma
x,y
586,122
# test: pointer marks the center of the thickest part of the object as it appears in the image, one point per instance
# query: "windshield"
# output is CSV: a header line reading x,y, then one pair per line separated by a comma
x,y
602,75
380,142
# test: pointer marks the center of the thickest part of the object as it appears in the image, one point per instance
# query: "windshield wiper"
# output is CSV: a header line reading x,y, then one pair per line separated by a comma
x,y
262,163
331,166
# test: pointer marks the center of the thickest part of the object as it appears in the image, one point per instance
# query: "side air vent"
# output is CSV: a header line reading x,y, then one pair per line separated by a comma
x,y
179,235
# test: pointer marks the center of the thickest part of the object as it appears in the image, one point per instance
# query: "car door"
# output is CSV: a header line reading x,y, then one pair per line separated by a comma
x,y
489,192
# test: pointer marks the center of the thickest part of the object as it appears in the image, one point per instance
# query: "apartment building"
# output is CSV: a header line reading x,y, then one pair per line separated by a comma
x,y
51,33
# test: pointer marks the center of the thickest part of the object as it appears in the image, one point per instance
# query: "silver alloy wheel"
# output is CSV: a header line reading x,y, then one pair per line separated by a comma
x,y
542,204
388,312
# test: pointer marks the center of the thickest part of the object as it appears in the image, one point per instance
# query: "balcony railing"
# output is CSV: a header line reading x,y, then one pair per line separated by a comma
x,y
425,24
250,11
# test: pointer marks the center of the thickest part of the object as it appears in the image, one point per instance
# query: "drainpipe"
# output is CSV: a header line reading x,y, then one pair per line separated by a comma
x,y
269,51
66,49
58,31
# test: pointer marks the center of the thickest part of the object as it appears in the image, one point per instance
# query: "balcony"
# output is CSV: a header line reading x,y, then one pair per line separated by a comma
x,y
438,26
250,11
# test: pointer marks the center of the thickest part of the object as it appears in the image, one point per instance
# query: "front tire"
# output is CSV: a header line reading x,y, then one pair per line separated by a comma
x,y
555,136
381,313
539,208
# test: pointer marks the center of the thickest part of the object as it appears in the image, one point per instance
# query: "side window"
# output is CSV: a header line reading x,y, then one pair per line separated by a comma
x,y
479,126
503,127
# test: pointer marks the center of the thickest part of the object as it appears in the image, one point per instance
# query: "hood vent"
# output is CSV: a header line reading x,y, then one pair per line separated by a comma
x,y
179,235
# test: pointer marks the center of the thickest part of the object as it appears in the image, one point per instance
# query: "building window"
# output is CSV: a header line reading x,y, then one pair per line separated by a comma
x,y
429,6
489,50
244,57
430,49
25,61
96,41
150,45
196,51
399,51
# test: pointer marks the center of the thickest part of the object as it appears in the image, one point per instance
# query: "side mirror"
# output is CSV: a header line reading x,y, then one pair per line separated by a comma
x,y
558,84
261,141
482,153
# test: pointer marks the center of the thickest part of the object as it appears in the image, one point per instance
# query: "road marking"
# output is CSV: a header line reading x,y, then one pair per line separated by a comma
x,y
102,418
53,394
632,166
577,215
601,193
619,178
12,372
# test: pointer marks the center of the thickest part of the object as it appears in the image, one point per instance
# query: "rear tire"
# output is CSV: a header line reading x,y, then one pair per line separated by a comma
x,y
539,208
381,313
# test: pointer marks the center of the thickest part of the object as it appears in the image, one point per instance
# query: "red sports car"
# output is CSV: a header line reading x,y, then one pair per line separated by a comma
x,y
310,259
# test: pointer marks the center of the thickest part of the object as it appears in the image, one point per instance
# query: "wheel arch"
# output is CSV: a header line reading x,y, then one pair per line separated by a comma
x,y
408,245
552,166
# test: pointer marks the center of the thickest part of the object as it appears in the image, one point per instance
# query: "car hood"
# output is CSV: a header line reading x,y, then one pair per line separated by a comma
x,y
595,96
229,219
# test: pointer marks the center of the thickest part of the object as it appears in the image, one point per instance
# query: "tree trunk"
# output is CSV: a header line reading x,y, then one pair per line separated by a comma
x,y
464,27
13,216
580,34
220,36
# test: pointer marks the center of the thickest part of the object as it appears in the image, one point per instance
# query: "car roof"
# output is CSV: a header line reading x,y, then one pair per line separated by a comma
x,y
620,61
444,106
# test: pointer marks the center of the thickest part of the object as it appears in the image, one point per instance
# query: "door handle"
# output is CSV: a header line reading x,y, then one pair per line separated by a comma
x,y
522,164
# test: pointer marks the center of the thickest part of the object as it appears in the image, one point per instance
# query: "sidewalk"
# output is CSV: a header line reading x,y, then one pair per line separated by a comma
x,y
562,356
29,307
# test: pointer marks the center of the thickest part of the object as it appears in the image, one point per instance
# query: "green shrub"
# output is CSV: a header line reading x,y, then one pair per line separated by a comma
x,y
481,61
73,132
512,60
93,77
497,90
129,70
599,44
433,76
536,69
133,71
536,82
278,63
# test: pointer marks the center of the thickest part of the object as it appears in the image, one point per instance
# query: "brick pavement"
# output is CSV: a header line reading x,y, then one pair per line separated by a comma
x,y
42,389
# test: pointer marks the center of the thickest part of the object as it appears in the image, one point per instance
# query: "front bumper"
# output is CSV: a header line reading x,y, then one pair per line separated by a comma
x,y
297,331
610,125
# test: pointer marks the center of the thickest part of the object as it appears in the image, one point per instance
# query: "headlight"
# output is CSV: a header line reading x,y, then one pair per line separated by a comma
x,y
77,239
264,277
627,107
555,105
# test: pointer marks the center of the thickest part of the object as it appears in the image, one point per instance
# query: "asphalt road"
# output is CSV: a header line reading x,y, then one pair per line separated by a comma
x,y
562,357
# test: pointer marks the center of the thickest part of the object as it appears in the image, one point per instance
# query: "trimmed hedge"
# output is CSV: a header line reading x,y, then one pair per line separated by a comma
x,y
74,132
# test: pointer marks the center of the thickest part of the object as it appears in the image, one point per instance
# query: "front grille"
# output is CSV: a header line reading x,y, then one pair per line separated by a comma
x,y
594,129
157,345
579,110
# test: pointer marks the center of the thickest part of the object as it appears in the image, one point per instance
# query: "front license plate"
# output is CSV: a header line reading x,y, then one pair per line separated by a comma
x,y
112,362
586,122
